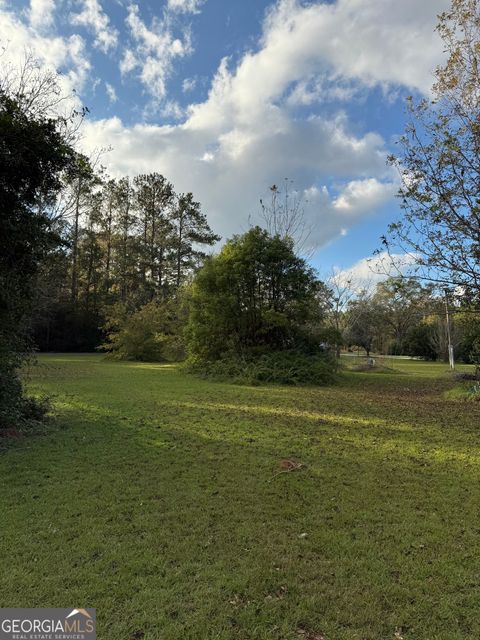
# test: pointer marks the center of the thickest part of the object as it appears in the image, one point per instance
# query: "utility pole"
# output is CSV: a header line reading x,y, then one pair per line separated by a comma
x,y
451,356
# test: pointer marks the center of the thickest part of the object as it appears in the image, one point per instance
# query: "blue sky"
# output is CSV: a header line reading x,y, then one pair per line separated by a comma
x,y
226,98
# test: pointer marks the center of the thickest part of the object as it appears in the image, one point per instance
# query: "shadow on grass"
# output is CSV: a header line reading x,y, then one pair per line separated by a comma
x,y
156,501
173,525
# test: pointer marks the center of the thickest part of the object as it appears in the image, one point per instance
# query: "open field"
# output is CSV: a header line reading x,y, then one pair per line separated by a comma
x,y
155,497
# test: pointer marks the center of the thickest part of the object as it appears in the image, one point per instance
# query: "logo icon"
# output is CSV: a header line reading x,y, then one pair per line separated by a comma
x,y
84,612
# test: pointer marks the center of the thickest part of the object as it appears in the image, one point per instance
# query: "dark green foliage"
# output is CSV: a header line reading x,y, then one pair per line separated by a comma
x,y
127,242
401,302
191,230
330,337
279,367
474,357
256,313
468,348
151,334
153,200
420,342
255,296
66,329
400,317
17,412
33,155
364,322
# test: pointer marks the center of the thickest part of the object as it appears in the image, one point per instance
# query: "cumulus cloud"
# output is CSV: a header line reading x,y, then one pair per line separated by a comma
x,y
67,54
41,13
362,196
93,17
382,42
172,109
156,49
229,173
375,42
320,88
365,274
128,62
243,138
297,43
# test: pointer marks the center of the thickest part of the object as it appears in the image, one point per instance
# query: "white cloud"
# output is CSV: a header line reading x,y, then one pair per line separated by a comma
x,y
229,173
81,66
323,88
156,49
375,42
112,94
189,84
368,272
185,6
243,137
67,54
41,13
362,196
128,62
382,42
171,109
93,17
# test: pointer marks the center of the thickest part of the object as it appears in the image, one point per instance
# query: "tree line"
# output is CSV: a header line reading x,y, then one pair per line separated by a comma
x,y
402,316
124,242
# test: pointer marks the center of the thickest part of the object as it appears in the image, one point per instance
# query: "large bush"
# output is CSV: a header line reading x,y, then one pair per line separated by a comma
x,y
255,296
150,334
420,341
253,300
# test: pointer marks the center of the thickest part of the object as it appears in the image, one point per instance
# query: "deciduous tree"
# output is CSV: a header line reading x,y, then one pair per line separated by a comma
x,y
439,161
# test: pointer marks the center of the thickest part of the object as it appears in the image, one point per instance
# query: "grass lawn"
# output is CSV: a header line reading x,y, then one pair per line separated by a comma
x,y
155,497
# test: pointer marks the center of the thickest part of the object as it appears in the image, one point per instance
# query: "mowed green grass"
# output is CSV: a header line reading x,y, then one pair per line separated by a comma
x,y
155,497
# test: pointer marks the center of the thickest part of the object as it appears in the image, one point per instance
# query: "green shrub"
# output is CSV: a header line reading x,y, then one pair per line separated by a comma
x,y
256,294
419,342
280,367
17,411
150,334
